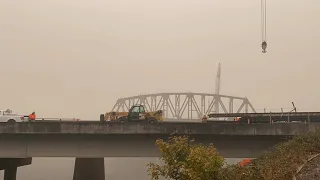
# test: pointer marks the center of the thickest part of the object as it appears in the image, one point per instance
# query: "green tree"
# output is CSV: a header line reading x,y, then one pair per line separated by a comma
x,y
184,160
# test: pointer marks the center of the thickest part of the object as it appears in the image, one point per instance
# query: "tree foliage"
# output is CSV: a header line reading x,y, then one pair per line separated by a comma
x,y
184,160
236,172
281,162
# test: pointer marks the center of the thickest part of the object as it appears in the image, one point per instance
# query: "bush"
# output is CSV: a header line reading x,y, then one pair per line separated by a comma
x,y
236,172
184,161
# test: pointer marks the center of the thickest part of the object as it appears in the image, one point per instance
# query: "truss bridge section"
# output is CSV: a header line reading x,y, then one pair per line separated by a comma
x,y
186,106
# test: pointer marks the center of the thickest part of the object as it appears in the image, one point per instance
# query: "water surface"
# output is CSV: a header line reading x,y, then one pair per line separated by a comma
x,y
62,168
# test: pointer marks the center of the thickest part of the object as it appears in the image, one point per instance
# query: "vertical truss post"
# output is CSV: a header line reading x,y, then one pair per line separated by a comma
x,y
246,105
166,104
231,105
189,106
177,106
203,105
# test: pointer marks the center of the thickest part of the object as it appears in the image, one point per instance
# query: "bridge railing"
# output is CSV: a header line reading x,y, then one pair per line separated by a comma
x,y
53,119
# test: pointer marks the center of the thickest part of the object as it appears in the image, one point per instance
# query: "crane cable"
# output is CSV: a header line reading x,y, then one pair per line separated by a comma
x,y
264,25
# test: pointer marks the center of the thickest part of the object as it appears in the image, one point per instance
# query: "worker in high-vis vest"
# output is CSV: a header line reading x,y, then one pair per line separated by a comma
x,y
204,118
32,116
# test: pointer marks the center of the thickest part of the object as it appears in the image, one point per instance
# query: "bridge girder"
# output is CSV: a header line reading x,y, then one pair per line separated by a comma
x,y
186,105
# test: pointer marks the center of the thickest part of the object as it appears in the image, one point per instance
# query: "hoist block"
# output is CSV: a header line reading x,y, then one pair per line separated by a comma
x,y
264,46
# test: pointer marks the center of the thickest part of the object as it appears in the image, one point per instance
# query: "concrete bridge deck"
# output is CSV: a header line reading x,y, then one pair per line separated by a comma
x,y
124,145
163,128
90,141
95,139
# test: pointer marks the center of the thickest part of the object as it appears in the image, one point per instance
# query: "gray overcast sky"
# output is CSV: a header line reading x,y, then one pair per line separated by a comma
x,y
74,58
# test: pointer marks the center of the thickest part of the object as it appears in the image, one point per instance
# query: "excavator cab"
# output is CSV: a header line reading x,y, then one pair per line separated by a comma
x,y
135,112
138,113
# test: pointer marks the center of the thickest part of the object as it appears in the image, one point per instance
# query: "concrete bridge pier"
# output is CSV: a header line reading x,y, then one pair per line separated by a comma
x,y
89,168
10,173
10,166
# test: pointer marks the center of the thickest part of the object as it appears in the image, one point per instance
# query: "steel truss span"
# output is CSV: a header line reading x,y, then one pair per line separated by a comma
x,y
186,105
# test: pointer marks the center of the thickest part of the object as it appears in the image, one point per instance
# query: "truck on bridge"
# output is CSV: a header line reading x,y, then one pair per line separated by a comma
x,y
8,116
137,113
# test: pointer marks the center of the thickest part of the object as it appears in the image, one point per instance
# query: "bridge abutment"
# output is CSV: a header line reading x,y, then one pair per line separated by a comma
x,y
89,168
10,166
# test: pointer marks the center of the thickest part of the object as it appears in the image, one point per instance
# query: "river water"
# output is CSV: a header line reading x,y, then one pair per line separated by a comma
x,y
62,168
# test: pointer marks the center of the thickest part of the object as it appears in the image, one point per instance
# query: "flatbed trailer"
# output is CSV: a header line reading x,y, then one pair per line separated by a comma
x,y
271,117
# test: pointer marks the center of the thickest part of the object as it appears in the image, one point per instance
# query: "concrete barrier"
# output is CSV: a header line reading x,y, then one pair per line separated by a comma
x,y
163,128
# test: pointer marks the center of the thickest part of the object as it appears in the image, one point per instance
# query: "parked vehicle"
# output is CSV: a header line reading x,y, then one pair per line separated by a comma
x,y
8,116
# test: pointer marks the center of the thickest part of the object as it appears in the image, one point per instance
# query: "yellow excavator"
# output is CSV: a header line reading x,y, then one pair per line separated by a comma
x,y
136,113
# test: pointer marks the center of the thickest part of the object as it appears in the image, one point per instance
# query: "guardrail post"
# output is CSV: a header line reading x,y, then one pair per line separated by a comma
x,y
308,118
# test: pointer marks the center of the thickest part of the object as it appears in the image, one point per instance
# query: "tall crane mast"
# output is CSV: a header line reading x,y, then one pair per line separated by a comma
x,y
217,89
218,80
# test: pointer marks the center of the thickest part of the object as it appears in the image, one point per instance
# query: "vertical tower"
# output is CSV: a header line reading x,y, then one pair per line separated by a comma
x,y
218,89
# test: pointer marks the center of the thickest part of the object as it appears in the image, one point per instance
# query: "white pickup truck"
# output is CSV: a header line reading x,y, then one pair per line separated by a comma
x,y
8,116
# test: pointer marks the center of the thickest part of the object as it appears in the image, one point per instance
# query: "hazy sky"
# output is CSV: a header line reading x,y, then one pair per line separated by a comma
x,y
74,58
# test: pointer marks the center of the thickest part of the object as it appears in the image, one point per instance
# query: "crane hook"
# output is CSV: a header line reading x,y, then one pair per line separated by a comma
x,y
264,46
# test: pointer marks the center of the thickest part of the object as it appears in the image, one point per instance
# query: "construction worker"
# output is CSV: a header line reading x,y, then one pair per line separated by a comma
x,y
204,118
32,116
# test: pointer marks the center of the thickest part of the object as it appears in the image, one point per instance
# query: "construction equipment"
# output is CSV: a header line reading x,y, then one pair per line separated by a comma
x,y
268,117
136,113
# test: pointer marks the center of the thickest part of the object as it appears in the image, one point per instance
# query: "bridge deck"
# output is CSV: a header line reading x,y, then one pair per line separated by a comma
x,y
123,145
162,128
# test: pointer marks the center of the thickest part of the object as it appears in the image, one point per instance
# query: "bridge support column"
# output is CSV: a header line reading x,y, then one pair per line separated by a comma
x,y
89,168
10,166
10,173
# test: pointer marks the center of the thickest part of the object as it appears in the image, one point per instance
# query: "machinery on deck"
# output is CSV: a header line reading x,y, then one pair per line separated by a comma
x,y
137,113
268,117
291,116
